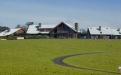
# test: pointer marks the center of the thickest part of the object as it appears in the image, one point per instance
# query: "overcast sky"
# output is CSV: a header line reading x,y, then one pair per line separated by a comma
x,y
88,13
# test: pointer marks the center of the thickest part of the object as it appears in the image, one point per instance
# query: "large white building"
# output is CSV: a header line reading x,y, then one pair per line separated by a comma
x,y
106,32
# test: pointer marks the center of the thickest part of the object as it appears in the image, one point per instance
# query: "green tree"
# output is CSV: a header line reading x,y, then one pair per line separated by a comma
x,y
24,28
18,26
83,31
3,28
101,36
120,37
29,23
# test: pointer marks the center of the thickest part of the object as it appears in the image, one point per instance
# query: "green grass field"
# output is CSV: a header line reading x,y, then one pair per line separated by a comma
x,y
34,57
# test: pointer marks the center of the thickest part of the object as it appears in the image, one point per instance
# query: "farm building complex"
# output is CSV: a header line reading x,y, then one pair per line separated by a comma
x,y
64,30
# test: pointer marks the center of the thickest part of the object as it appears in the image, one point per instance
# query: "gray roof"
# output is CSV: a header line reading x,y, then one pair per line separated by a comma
x,y
103,31
47,26
116,32
34,29
70,26
5,33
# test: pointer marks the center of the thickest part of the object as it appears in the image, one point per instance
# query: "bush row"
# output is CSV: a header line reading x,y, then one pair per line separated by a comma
x,y
37,37
11,37
42,37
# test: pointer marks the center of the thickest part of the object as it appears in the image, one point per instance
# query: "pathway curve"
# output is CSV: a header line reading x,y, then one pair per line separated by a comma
x,y
59,61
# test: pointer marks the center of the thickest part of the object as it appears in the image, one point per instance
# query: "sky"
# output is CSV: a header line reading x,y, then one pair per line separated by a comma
x,y
87,13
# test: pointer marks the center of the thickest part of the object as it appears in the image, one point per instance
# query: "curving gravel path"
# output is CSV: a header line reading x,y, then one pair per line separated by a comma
x,y
59,61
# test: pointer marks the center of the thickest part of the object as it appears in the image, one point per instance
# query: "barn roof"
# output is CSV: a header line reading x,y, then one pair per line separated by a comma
x,y
5,33
103,31
34,29
47,26
70,26
116,32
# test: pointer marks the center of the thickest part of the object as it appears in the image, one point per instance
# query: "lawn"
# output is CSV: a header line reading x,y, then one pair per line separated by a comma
x,y
34,57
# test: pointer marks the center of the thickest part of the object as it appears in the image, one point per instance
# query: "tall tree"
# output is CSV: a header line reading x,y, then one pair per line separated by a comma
x,y
24,28
18,26
29,23
3,28
83,31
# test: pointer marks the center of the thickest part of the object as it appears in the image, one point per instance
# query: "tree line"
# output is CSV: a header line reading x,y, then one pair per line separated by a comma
x,y
3,28
24,27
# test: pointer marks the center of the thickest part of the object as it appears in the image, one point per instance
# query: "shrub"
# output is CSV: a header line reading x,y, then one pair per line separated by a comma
x,y
88,36
37,37
43,37
31,37
79,36
61,37
120,37
113,36
101,37
51,38
26,37
11,37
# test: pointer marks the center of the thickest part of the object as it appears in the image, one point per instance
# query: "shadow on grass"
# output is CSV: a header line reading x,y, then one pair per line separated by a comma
x,y
59,61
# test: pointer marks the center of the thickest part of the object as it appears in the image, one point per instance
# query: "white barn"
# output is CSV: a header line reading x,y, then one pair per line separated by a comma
x,y
106,32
